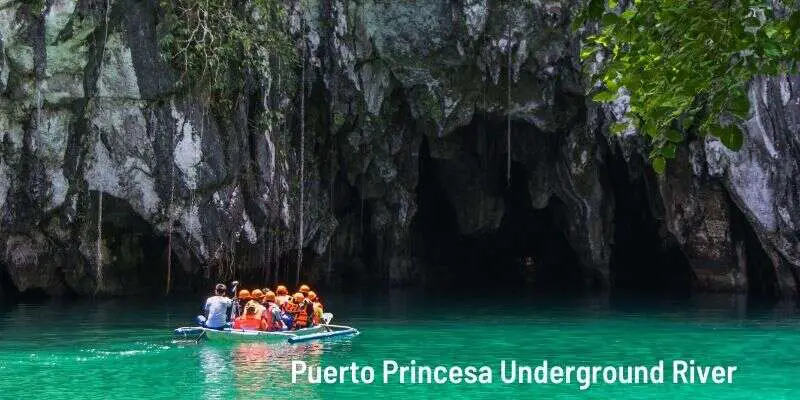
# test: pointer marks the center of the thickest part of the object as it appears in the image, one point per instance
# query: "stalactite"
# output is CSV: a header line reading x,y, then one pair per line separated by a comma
x,y
302,153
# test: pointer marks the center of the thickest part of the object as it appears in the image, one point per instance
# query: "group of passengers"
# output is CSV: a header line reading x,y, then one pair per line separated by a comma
x,y
262,309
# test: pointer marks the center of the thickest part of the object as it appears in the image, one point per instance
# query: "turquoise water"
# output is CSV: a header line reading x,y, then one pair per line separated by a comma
x,y
120,349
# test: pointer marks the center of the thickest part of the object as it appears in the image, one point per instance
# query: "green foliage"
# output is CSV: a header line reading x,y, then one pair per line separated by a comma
x,y
215,43
686,64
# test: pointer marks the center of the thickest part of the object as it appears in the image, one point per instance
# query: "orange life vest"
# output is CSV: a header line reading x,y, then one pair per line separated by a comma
x,y
248,323
289,307
300,313
301,320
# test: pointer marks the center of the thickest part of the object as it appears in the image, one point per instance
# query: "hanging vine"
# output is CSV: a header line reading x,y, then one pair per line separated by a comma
x,y
508,113
301,213
212,42
99,245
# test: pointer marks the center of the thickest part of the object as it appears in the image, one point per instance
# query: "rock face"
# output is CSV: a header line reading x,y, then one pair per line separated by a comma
x,y
105,165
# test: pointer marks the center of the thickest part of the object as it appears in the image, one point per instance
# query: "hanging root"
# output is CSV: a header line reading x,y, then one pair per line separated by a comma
x,y
99,244
508,115
302,156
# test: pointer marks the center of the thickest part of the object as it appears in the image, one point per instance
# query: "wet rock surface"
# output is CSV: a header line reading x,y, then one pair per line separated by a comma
x,y
105,165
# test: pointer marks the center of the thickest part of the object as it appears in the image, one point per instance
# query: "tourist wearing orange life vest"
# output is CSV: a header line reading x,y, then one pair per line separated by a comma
x,y
272,315
281,295
257,295
308,305
298,310
318,309
249,321
242,299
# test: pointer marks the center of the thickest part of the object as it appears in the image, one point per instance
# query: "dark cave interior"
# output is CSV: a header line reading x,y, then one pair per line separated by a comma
x,y
528,249
643,258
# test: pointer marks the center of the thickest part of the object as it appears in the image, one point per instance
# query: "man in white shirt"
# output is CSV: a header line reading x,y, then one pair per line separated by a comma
x,y
217,309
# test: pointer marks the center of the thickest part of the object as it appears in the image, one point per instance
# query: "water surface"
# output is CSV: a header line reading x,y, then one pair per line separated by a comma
x,y
123,349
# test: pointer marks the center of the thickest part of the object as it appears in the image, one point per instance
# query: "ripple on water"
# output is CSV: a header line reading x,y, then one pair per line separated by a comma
x,y
121,351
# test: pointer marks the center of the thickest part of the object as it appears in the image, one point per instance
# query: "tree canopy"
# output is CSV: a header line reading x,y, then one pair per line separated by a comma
x,y
686,63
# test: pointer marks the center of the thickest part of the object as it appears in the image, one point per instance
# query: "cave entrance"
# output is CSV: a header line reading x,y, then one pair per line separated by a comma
x,y
137,255
644,258
526,249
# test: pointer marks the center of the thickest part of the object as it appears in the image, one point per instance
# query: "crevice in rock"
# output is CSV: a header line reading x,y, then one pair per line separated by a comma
x,y
7,288
762,281
644,257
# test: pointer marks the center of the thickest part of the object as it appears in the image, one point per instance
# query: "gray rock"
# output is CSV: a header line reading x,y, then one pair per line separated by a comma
x,y
80,122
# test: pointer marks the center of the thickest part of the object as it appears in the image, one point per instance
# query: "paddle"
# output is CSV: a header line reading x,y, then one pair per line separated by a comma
x,y
200,336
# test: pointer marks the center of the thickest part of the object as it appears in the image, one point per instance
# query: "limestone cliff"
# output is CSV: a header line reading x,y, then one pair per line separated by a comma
x,y
105,163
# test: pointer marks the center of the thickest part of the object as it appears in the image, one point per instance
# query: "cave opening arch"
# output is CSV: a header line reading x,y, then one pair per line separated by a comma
x,y
512,245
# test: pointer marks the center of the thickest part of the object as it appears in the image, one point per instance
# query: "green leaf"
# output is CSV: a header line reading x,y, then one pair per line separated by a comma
x,y
604,96
587,52
659,165
628,14
673,136
613,3
772,49
650,128
618,127
771,31
732,138
669,150
609,19
740,104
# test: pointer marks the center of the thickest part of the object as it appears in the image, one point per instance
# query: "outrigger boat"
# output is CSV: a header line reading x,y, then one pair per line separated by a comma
x,y
322,331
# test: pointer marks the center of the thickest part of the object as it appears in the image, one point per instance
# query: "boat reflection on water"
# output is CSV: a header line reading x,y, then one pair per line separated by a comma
x,y
216,373
259,370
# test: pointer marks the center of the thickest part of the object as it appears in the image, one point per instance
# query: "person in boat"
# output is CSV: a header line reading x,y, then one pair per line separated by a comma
x,y
242,299
249,321
281,295
258,296
272,315
318,308
217,309
299,310
307,303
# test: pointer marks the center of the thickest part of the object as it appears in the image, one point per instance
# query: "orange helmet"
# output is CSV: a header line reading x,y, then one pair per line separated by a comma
x,y
281,290
257,294
312,296
244,294
304,289
298,297
269,296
